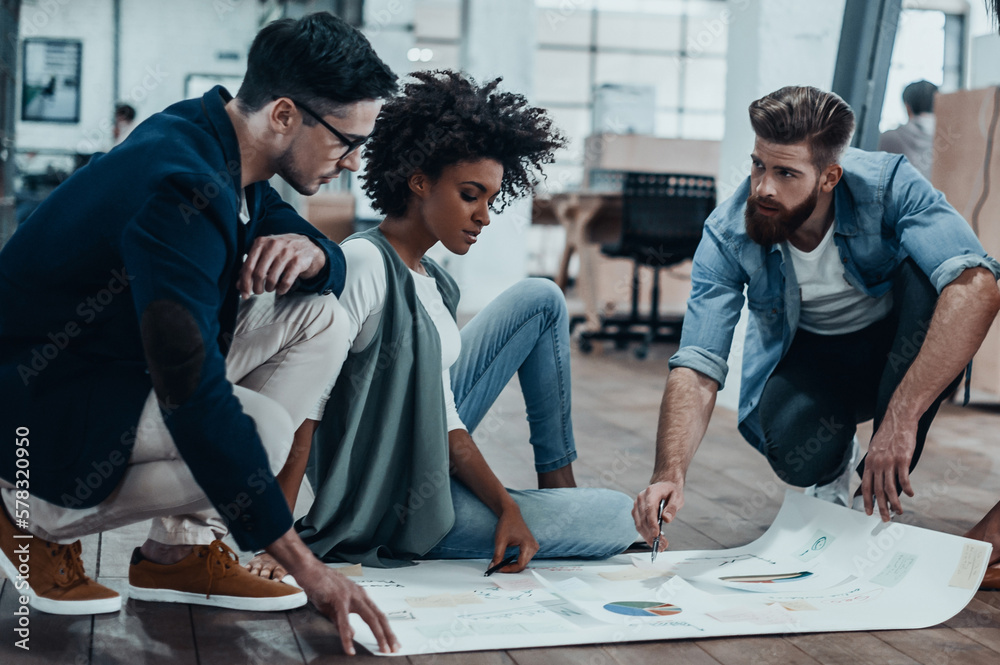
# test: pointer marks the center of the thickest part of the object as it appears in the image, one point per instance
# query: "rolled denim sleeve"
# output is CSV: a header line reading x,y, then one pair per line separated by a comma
x,y
713,309
930,230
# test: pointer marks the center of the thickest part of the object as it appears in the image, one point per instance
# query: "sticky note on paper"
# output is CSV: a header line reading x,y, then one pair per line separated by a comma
x,y
444,600
631,573
351,571
440,600
761,616
515,583
559,569
576,588
469,598
896,569
967,573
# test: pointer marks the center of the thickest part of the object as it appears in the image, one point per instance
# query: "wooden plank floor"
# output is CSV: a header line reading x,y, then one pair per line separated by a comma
x,y
731,496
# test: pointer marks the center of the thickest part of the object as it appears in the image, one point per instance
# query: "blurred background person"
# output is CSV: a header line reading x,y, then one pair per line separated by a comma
x,y
124,122
915,139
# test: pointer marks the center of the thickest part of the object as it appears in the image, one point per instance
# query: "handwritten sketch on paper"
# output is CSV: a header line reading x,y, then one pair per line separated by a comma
x,y
818,568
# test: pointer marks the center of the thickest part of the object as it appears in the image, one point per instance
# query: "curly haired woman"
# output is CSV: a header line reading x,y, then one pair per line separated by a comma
x,y
396,472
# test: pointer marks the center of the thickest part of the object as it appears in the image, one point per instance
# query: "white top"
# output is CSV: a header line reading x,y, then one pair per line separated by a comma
x,y
244,210
830,304
363,300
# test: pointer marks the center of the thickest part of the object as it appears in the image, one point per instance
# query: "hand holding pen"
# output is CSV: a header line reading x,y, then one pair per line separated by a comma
x,y
512,534
659,524
506,562
655,506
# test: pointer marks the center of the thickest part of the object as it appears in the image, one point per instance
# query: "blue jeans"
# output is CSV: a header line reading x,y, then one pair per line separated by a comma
x,y
526,330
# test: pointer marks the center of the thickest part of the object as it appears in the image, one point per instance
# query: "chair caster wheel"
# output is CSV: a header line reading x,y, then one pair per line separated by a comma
x,y
586,346
641,352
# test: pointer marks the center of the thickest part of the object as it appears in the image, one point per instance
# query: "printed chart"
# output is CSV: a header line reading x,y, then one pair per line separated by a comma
x,y
818,568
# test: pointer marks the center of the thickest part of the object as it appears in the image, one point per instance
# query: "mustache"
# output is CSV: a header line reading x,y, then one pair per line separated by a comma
x,y
767,230
754,201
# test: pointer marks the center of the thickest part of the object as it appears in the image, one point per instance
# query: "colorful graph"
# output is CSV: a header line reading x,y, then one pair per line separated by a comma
x,y
636,608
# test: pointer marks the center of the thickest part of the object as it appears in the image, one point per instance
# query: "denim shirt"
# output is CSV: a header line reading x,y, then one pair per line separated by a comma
x,y
885,211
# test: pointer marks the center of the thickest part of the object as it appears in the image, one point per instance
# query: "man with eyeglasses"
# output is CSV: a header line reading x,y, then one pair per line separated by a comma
x,y
165,326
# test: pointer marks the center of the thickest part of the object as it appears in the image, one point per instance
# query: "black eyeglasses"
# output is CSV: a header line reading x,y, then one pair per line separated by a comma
x,y
352,145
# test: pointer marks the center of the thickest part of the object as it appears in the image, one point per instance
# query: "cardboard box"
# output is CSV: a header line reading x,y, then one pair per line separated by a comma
x,y
650,154
965,120
332,213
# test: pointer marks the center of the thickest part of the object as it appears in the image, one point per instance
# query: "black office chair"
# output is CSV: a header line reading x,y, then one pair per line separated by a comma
x,y
662,220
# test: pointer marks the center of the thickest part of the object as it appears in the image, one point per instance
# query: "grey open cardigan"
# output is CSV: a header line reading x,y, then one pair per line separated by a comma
x,y
379,461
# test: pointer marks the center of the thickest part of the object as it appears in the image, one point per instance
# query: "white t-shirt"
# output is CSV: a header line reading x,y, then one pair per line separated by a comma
x,y
830,304
363,299
244,210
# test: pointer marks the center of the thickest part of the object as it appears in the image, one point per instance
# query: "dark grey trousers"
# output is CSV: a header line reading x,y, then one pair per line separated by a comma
x,y
827,384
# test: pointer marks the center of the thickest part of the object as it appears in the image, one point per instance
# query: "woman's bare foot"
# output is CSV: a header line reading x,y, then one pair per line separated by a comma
x,y
988,530
266,566
561,477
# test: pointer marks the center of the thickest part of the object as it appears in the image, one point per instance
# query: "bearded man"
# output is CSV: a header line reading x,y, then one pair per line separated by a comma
x,y
867,294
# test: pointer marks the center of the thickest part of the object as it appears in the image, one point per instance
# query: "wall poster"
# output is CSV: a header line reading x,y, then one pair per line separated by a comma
x,y
51,88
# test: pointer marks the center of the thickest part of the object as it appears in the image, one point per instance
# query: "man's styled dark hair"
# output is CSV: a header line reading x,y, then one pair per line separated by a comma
x,y
444,118
318,60
803,113
919,96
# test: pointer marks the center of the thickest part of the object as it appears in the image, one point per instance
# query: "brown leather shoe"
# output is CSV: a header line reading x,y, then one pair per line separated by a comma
x,y
210,575
991,581
51,575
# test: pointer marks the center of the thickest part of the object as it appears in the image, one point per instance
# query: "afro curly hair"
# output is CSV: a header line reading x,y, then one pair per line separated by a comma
x,y
444,118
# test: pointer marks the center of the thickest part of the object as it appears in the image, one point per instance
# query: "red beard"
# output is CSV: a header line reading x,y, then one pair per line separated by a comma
x,y
767,230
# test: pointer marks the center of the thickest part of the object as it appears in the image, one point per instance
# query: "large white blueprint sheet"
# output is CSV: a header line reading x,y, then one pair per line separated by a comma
x,y
818,568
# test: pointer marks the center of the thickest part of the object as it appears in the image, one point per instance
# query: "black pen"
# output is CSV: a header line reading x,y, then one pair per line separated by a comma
x,y
656,541
506,562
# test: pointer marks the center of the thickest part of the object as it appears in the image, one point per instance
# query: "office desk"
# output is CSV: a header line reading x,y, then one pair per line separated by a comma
x,y
590,219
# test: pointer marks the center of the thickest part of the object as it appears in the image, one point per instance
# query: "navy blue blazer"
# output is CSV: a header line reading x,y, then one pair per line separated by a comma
x,y
155,219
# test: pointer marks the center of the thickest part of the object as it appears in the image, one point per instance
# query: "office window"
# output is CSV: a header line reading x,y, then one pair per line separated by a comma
x,y
676,48
928,46
618,30
564,26
438,19
564,76
438,31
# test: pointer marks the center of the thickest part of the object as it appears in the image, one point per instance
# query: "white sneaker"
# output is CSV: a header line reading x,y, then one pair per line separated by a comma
x,y
838,491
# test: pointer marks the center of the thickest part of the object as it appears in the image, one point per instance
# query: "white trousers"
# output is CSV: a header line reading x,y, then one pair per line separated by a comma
x,y
286,352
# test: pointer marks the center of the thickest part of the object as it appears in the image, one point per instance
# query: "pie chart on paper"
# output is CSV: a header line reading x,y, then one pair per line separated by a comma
x,y
642,608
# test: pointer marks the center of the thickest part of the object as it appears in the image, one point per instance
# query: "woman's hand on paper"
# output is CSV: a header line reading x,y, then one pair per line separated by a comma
x,y
512,531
